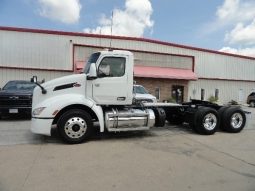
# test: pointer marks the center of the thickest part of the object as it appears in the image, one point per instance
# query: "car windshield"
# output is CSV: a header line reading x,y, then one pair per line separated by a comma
x,y
93,59
19,85
140,90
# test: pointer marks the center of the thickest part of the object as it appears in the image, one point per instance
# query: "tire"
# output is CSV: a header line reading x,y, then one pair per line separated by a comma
x,y
252,104
206,121
192,120
221,112
160,116
75,126
234,120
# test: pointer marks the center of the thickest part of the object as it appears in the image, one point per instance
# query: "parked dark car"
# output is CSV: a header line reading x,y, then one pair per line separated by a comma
x,y
251,99
16,98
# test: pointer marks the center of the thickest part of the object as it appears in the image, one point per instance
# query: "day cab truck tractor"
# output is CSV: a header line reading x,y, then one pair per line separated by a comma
x,y
103,94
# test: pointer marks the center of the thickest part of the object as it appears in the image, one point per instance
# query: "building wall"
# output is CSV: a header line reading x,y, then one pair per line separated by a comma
x,y
228,90
30,49
21,51
207,64
165,86
21,74
82,53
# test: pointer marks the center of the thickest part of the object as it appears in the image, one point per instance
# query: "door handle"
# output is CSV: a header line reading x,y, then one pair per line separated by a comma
x,y
121,98
97,85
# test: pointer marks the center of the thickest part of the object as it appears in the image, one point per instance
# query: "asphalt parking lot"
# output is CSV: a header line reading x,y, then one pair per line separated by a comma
x,y
169,158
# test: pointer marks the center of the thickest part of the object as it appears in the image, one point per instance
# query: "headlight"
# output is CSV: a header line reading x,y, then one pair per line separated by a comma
x,y
38,110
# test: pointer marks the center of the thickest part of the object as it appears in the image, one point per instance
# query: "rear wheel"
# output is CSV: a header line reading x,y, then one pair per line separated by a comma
x,y
234,120
75,126
206,121
221,112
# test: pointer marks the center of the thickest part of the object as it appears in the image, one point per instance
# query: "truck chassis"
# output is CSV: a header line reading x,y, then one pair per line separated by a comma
x,y
203,117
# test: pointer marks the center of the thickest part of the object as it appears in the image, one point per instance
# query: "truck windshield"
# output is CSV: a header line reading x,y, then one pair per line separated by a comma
x,y
19,85
140,90
92,59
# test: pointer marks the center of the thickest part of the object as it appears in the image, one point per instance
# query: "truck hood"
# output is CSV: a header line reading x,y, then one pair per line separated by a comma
x,y
71,84
75,78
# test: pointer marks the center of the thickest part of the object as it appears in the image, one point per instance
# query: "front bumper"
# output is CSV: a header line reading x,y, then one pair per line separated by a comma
x,y
41,126
18,110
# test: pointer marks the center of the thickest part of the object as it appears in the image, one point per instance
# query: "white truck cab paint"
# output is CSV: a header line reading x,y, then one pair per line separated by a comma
x,y
114,82
113,85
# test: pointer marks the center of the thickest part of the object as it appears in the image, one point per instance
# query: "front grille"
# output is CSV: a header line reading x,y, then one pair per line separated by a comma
x,y
15,101
147,100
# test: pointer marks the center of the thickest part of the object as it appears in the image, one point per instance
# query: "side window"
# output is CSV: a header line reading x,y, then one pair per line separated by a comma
x,y
112,67
202,94
157,93
217,94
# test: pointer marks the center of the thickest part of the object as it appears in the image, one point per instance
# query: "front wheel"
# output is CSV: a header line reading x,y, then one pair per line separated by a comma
x,y
75,126
252,103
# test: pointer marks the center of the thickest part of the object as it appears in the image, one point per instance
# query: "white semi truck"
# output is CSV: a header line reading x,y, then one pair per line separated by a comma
x,y
103,94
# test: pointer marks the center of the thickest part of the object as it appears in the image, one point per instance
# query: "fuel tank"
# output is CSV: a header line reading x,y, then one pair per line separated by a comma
x,y
129,119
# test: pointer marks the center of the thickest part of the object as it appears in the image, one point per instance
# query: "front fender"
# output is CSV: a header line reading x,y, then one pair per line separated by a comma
x,y
100,115
57,103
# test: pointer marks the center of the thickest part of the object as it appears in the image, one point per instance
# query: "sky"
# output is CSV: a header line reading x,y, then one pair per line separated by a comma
x,y
224,25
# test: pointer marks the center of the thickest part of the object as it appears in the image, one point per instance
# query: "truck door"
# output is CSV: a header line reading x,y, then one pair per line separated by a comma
x,y
110,88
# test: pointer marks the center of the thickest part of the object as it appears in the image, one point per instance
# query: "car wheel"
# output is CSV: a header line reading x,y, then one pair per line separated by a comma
x,y
252,104
234,120
75,126
206,121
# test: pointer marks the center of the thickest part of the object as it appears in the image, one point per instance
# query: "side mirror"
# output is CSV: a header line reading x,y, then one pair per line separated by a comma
x,y
92,72
34,79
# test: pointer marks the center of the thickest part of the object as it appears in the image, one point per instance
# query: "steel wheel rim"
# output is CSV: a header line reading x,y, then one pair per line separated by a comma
x,y
75,127
236,120
210,122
